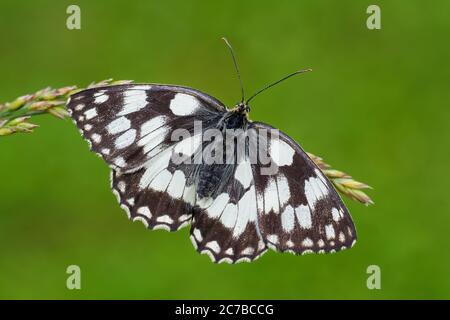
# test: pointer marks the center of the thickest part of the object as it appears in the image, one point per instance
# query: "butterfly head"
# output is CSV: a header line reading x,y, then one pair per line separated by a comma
x,y
242,108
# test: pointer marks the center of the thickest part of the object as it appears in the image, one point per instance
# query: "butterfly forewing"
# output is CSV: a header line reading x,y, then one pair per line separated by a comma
x,y
129,124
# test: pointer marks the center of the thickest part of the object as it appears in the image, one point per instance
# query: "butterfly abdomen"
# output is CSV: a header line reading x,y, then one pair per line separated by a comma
x,y
209,179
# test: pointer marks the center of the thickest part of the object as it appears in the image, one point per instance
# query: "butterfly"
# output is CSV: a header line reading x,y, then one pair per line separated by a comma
x,y
238,202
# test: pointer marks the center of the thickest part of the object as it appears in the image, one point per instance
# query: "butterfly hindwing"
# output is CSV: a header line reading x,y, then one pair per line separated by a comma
x,y
167,204
226,227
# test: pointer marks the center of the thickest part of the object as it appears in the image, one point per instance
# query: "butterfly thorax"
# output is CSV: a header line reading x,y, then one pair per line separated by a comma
x,y
236,118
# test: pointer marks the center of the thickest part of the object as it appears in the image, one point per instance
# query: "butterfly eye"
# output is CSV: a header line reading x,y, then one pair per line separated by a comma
x,y
247,108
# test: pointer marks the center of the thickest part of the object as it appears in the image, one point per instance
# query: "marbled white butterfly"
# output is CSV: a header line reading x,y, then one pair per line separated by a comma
x,y
179,157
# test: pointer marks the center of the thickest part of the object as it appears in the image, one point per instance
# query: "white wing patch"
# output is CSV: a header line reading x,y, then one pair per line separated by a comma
x,y
125,139
96,138
119,125
218,205
145,211
154,166
165,219
246,211
189,194
152,124
79,107
271,197
244,173
284,193
214,246
153,139
315,189
91,113
281,153
336,214
329,231
161,181
229,216
177,184
184,104
307,242
134,100
101,98
304,216
288,219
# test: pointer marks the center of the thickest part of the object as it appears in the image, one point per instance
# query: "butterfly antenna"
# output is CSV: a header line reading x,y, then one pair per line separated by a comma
x,y
235,67
276,82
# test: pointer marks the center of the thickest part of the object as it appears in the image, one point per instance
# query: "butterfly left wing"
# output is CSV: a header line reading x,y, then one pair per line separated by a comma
x,y
132,128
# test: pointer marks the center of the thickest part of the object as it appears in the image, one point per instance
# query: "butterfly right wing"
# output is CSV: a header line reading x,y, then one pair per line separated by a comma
x,y
299,210
292,207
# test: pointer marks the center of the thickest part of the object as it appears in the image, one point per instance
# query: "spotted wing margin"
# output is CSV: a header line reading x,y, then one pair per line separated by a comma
x,y
168,207
299,211
128,124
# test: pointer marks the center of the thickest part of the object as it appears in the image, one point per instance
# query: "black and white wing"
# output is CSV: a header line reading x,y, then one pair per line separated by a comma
x,y
299,211
291,209
132,128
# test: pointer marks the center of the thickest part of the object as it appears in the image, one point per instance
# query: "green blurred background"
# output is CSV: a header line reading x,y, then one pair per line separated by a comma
x,y
376,106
